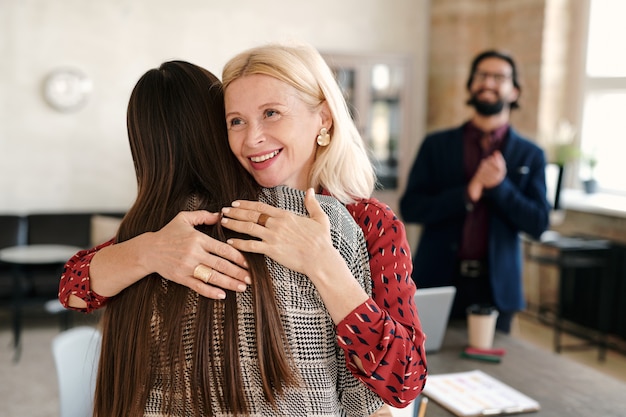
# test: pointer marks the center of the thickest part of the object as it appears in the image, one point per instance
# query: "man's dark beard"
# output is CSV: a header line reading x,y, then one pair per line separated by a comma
x,y
484,108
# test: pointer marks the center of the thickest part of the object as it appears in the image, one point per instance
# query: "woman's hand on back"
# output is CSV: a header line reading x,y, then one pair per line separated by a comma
x,y
174,252
300,243
297,242
179,249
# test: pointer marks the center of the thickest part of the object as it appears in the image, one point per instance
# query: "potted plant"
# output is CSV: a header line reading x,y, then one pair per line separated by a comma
x,y
590,184
561,152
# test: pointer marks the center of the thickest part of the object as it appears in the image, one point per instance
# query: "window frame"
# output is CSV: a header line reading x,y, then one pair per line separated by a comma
x,y
591,85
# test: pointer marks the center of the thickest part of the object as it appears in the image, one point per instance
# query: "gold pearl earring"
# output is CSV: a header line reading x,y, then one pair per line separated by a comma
x,y
323,139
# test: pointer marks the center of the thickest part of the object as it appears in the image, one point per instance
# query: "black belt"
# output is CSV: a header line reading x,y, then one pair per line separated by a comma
x,y
473,268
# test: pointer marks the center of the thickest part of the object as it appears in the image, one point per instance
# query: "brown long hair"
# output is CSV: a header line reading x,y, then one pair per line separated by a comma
x,y
178,139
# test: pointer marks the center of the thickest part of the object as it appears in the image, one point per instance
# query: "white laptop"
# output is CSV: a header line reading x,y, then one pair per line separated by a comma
x,y
433,306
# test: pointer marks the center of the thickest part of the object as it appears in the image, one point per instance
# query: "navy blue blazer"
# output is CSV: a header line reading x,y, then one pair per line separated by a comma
x,y
435,197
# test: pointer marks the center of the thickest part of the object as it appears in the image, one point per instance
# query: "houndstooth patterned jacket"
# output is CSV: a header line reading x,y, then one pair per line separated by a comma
x,y
328,388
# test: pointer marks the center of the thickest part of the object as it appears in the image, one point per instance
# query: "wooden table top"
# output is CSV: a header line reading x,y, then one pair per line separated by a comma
x,y
562,387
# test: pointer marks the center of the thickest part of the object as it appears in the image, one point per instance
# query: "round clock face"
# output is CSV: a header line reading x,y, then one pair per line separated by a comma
x,y
66,89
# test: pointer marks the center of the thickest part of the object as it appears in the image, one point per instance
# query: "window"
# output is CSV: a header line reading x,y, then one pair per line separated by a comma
x,y
603,130
375,88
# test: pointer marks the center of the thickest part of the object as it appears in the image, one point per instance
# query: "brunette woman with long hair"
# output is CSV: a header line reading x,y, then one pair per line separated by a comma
x,y
166,350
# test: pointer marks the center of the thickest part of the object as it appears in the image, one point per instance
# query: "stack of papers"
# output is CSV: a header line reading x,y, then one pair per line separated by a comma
x,y
475,393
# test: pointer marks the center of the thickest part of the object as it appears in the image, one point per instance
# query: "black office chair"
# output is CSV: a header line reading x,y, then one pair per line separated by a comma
x,y
59,229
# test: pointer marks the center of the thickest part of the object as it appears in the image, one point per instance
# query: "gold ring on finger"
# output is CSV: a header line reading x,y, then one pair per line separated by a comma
x,y
203,273
262,219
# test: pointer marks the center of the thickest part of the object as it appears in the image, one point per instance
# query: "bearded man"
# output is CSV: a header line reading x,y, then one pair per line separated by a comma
x,y
473,189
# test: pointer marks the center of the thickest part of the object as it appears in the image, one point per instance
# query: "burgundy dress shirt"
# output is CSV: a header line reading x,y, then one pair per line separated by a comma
x,y
476,146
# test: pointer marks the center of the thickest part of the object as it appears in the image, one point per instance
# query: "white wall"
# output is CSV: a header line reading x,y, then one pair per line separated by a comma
x,y
80,161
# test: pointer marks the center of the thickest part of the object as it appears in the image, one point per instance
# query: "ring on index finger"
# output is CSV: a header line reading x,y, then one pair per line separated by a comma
x,y
262,219
203,273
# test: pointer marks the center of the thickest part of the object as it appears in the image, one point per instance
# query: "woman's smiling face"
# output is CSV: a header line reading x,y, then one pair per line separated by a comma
x,y
271,130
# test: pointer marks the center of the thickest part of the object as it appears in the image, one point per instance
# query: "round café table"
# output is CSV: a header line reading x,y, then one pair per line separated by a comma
x,y
20,257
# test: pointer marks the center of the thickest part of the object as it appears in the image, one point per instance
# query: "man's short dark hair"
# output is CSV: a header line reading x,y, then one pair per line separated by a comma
x,y
500,55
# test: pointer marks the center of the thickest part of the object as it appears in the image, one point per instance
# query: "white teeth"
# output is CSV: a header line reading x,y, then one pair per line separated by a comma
x,y
264,157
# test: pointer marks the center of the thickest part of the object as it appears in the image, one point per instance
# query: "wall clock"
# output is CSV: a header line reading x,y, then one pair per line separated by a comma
x,y
66,89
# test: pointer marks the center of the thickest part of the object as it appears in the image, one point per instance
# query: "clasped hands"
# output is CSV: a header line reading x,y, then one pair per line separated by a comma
x,y
208,266
490,173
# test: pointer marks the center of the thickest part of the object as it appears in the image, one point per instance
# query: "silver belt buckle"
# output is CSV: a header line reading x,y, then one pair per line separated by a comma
x,y
470,268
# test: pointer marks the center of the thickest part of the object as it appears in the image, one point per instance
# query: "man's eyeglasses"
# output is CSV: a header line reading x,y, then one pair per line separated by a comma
x,y
481,76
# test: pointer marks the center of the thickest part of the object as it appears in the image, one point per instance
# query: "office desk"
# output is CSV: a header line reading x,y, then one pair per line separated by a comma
x,y
586,290
21,257
561,386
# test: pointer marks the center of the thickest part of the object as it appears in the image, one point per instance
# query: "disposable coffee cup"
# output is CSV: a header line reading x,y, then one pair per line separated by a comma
x,y
481,325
